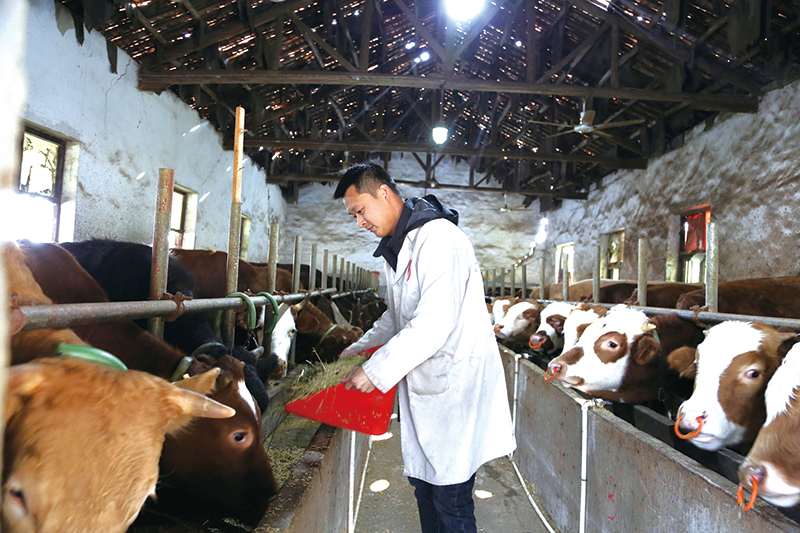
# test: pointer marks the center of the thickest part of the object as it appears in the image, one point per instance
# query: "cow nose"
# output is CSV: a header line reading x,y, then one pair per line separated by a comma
x,y
553,369
536,341
750,471
498,327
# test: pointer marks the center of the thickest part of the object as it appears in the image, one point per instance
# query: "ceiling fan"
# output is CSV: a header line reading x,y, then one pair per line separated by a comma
x,y
586,126
506,209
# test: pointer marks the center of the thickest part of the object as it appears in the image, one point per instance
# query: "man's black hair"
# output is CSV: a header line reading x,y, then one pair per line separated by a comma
x,y
367,177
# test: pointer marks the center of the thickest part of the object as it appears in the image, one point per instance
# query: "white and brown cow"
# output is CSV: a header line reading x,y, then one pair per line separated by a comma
x,y
519,323
578,320
774,459
615,358
731,369
500,306
549,339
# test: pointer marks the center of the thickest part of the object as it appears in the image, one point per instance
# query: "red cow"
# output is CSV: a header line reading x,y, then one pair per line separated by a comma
x,y
731,369
82,443
244,477
519,323
778,297
774,459
665,295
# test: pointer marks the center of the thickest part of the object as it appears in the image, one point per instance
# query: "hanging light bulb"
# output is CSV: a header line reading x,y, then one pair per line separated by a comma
x,y
440,134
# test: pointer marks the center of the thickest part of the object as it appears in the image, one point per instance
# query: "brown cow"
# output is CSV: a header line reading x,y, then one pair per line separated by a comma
x,y
774,459
664,295
318,338
778,297
82,443
246,476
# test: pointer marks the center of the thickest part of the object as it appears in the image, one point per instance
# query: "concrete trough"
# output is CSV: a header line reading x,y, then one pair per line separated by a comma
x,y
634,481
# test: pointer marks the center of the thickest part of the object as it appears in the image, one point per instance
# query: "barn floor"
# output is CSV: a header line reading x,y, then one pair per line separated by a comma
x,y
394,509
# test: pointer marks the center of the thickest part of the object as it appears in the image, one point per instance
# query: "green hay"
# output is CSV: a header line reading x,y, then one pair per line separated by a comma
x,y
320,376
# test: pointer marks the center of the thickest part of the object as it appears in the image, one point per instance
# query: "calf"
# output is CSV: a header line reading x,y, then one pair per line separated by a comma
x,y
731,369
774,459
550,337
520,322
500,306
82,443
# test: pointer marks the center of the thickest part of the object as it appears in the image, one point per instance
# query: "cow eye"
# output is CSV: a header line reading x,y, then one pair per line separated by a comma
x,y
613,345
753,373
240,436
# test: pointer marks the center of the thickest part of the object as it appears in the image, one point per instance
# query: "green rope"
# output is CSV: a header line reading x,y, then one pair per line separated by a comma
x,y
87,353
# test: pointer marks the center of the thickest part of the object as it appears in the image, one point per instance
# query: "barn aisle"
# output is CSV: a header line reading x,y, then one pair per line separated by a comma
x,y
504,507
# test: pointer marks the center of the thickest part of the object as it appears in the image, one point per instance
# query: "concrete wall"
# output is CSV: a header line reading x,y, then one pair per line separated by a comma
x,y
123,136
634,481
743,165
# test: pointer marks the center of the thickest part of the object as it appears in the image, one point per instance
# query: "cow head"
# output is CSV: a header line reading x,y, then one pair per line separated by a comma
x,y
82,443
732,368
550,337
500,307
519,323
774,459
615,358
322,336
220,466
282,336
578,320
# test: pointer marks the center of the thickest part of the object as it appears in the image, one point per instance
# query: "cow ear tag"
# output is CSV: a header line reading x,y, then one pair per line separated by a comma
x,y
369,413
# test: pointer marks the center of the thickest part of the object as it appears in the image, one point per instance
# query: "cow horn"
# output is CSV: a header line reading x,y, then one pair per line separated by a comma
x,y
648,327
194,404
296,308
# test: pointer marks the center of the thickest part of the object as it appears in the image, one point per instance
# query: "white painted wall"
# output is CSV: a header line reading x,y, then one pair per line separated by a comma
x,y
124,136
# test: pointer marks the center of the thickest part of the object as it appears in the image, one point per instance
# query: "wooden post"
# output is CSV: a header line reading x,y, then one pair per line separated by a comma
x,y
644,258
272,261
235,229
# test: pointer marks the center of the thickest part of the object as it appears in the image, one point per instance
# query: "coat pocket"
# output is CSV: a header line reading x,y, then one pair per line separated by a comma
x,y
431,377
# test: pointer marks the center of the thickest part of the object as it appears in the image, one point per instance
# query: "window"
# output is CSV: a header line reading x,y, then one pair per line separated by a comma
x,y
244,238
614,253
177,224
564,258
36,206
692,249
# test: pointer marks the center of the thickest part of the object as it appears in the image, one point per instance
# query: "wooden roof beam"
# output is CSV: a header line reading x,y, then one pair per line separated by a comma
x,y
304,144
711,102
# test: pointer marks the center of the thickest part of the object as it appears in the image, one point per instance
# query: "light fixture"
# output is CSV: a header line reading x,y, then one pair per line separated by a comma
x,y
440,134
463,10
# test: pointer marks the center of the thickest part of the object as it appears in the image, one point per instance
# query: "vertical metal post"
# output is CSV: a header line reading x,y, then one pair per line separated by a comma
x,y
324,269
160,255
544,292
596,277
341,274
494,283
485,282
235,228
564,276
673,247
525,294
272,261
502,282
298,245
712,267
514,281
312,269
644,259
335,272
348,276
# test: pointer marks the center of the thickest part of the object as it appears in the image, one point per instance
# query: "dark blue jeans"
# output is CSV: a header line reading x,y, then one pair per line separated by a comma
x,y
445,508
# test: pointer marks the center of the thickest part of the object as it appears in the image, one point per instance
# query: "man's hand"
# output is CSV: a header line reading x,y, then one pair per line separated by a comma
x,y
347,352
357,379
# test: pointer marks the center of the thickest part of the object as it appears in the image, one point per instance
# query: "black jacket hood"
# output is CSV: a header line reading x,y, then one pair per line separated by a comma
x,y
416,212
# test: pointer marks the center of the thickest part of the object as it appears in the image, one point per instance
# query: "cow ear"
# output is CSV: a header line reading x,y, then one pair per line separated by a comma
x,y
532,315
581,328
645,349
683,360
201,384
23,382
305,323
556,322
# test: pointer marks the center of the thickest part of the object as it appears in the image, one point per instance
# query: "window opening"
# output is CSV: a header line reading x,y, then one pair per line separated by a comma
x,y
692,252
177,224
615,253
564,258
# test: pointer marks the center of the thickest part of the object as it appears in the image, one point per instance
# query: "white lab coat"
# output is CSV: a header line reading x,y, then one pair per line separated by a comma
x,y
441,352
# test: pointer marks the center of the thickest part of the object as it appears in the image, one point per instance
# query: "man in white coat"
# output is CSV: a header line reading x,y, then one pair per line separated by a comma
x,y
438,347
